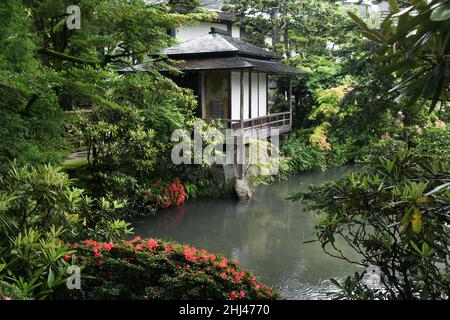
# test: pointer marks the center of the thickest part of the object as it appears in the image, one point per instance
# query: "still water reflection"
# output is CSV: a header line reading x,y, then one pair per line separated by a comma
x,y
265,235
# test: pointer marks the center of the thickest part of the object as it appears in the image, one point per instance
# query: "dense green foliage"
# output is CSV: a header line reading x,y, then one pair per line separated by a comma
x,y
415,46
302,155
32,121
61,91
9,291
45,68
39,209
395,214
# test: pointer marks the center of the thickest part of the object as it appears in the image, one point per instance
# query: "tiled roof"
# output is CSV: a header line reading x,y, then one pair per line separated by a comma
x,y
219,43
215,5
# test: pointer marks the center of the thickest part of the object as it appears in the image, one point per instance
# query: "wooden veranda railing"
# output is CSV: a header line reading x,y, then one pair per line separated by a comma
x,y
281,121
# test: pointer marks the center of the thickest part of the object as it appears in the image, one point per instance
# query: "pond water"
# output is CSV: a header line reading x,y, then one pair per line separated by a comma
x,y
266,235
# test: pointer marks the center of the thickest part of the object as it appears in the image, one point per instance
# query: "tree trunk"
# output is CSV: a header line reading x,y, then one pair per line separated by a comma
x,y
276,26
285,27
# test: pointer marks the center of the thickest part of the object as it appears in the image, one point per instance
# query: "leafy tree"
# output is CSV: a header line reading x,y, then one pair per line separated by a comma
x,y
315,36
395,215
111,31
46,68
32,122
40,211
415,46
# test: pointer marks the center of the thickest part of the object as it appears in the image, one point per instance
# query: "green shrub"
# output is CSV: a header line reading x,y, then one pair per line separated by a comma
x,y
134,193
39,211
154,269
118,141
9,291
433,141
302,155
44,198
395,215
34,262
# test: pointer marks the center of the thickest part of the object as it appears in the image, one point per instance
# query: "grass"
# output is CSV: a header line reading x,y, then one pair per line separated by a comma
x,y
78,170
75,164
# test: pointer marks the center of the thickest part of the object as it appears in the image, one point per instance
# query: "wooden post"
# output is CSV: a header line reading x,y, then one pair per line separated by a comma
x,y
290,102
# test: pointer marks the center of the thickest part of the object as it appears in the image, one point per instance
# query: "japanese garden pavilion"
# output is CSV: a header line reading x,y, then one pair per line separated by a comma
x,y
230,79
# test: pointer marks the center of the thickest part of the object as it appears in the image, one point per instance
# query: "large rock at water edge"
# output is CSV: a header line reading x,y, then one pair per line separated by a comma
x,y
244,189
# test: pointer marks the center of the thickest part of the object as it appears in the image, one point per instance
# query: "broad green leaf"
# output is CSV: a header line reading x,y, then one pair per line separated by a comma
x,y
400,13
416,247
441,13
360,22
416,221
425,248
438,188
51,278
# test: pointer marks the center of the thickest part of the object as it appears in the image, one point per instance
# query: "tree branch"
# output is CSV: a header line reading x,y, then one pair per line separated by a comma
x,y
66,57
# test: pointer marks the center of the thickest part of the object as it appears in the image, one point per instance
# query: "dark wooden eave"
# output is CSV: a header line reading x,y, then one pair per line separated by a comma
x,y
224,63
219,51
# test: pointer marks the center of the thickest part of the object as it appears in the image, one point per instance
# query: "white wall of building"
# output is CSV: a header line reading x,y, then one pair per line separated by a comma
x,y
235,31
236,95
262,94
366,8
186,32
258,92
255,95
246,96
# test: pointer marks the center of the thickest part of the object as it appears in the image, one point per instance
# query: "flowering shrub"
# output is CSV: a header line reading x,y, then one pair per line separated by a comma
x,y
169,195
154,269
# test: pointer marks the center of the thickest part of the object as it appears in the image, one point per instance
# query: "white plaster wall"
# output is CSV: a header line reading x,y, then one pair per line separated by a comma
x,y
246,95
255,95
262,94
236,95
185,33
258,91
235,32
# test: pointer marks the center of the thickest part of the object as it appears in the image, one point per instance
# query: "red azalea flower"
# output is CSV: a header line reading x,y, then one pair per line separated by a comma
x,y
96,251
167,249
136,239
151,243
90,243
139,246
109,246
